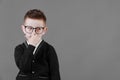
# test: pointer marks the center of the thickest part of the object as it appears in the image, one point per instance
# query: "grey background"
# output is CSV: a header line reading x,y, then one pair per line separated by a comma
x,y
85,34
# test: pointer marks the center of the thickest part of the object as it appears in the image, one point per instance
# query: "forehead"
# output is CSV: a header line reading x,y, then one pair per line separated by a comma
x,y
34,22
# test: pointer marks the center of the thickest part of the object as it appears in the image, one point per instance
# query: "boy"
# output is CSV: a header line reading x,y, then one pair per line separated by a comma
x,y
35,58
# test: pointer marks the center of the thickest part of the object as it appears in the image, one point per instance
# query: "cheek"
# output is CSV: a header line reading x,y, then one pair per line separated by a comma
x,y
28,35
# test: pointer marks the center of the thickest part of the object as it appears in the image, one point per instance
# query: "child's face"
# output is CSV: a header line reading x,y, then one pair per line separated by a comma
x,y
34,26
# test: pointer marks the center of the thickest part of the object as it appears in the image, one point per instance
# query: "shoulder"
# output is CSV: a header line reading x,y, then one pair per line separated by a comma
x,y
20,46
51,50
48,45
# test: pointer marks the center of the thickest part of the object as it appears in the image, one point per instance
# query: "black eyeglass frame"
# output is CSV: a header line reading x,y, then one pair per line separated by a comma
x,y
33,29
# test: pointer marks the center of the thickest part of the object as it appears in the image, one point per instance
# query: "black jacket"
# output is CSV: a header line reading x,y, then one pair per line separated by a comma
x,y
43,65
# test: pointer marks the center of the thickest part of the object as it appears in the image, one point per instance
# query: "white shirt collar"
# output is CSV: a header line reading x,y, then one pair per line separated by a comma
x,y
37,43
36,46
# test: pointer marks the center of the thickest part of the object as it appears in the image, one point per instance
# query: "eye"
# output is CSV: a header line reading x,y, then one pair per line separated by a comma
x,y
38,28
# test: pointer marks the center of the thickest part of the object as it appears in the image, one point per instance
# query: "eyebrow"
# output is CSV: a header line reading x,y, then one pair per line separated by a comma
x,y
34,27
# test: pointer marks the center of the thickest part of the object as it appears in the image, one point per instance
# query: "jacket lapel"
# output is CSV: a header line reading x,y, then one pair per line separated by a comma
x,y
26,45
38,48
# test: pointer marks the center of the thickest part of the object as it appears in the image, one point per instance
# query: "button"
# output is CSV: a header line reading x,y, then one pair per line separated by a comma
x,y
33,72
33,61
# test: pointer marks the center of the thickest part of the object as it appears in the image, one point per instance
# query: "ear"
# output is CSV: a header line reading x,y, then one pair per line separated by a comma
x,y
23,29
45,30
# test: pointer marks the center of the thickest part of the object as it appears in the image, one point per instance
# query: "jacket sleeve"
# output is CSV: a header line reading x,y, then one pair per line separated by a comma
x,y
23,57
53,64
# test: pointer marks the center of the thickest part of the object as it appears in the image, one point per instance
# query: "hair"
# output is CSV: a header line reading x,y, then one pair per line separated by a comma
x,y
35,14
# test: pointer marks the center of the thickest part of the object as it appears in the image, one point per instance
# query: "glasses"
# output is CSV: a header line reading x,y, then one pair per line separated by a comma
x,y
29,29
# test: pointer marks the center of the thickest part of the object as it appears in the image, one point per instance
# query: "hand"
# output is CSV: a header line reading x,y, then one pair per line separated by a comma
x,y
27,36
34,39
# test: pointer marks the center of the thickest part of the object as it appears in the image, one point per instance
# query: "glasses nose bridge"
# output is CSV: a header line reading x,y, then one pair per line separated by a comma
x,y
33,29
